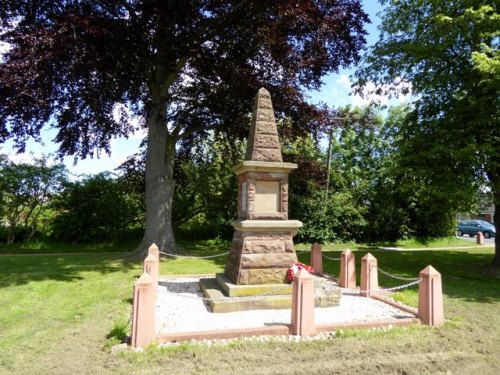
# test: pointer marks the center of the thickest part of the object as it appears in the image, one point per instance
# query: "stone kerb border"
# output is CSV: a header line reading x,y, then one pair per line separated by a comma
x,y
430,307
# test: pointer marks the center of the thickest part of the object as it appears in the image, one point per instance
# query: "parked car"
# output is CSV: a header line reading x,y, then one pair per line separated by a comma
x,y
472,227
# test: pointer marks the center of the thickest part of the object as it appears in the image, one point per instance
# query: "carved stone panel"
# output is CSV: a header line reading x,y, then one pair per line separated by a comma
x,y
267,196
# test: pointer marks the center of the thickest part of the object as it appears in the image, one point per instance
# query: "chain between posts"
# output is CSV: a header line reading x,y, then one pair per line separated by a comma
x,y
393,289
330,258
396,277
322,254
356,291
194,257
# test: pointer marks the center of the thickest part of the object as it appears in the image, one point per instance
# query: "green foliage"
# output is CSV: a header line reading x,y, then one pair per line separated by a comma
x,y
338,214
337,220
98,208
119,333
185,68
25,192
446,53
206,195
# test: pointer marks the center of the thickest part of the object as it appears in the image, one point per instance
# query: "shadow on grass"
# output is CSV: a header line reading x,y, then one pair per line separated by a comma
x,y
25,268
465,274
18,270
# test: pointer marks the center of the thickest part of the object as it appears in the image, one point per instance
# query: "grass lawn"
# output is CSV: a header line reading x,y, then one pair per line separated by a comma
x,y
61,315
42,247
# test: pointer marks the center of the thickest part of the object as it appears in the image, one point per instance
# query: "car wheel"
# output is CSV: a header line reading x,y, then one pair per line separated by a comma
x,y
486,234
471,235
460,233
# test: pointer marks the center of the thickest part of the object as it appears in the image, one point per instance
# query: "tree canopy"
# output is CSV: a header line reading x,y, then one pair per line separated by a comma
x,y
185,67
447,53
25,193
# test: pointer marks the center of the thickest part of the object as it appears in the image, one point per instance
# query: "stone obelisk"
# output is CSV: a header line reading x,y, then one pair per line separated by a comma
x,y
262,249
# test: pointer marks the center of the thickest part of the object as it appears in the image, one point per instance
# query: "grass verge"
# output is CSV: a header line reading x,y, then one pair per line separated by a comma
x,y
62,314
46,247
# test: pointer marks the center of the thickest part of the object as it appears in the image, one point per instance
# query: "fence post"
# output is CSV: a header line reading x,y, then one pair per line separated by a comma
x,y
369,275
347,270
430,297
303,322
153,249
317,258
479,238
143,315
152,268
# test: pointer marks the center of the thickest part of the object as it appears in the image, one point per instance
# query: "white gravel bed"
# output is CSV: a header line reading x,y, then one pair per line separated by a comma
x,y
180,308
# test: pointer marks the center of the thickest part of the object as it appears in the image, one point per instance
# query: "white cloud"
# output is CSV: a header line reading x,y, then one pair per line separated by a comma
x,y
344,81
369,96
337,92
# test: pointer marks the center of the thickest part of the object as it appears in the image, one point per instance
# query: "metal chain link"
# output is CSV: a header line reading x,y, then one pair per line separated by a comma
x,y
415,282
393,289
347,290
194,257
397,277
322,254
330,258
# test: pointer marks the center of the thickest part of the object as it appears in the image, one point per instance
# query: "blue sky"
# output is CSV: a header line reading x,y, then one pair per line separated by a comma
x,y
335,92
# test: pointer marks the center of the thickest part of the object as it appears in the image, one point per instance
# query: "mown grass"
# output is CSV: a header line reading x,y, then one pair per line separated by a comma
x,y
62,314
51,247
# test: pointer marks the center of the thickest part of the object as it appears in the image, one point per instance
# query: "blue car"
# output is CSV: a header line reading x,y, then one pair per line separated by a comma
x,y
472,227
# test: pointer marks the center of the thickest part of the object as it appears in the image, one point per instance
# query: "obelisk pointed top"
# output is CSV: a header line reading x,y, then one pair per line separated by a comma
x,y
263,142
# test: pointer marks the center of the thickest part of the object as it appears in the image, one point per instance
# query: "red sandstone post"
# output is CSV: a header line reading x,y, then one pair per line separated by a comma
x,y
347,270
153,249
317,258
152,268
303,323
143,316
430,297
480,238
369,275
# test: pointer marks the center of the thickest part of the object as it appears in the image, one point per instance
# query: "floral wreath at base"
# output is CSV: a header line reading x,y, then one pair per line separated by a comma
x,y
295,268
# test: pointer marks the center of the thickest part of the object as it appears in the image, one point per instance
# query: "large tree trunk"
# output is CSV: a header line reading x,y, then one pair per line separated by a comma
x,y
160,184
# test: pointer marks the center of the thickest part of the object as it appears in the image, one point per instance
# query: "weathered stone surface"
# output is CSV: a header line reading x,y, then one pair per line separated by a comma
x,y
263,131
265,115
267,246
289,247
265,102
234,290
273,260
266,154
263,276
249,166
266,127
266,141
260,251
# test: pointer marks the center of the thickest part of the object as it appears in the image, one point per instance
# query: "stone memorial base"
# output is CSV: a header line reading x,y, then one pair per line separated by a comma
x,y
262,251
225,296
